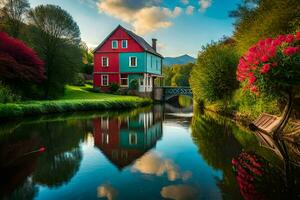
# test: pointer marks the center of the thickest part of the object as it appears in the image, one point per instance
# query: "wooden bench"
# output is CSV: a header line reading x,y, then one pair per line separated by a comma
x,y
266,123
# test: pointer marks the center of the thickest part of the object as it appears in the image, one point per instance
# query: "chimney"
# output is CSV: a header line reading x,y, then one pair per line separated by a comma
x,y
154,41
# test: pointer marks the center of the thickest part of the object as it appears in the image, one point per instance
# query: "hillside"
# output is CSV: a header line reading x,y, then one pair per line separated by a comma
x,y
184,59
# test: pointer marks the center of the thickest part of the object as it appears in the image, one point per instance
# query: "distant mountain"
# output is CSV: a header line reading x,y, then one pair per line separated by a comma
x,y
178,60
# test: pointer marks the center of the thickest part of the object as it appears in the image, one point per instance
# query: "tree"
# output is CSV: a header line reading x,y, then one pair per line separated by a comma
x,y
212,78
57,39
13,12
19,62
272,67
87,59
257,19
177,75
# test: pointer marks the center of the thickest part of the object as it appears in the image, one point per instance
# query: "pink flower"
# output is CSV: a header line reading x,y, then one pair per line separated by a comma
x,y
298,36
289,38
252,78
254,89
272,52
290,51
265,69
264,58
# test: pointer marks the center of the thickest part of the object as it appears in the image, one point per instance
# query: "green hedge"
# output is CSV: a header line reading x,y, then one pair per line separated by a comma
x,y
58,106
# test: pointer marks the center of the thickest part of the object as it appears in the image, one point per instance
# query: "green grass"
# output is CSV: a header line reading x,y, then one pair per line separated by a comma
x,y
75,99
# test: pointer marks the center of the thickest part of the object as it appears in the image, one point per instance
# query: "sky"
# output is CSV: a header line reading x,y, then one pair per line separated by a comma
x,y
181,26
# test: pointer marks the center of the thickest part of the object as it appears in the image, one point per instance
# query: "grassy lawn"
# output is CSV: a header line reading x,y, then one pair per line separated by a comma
x,y
75,99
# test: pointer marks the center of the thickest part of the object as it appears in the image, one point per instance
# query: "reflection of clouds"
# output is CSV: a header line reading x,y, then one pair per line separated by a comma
x,y
152,163
107,191
179,192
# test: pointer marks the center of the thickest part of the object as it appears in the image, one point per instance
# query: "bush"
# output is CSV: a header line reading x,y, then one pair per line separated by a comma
x,y
213,77
79,80
113,87
271,66
7,96
134,84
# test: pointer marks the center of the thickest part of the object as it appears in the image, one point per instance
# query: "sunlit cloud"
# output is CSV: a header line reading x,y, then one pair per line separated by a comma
x,y
107,191
144,16
154,164
190,10
179,192
204,4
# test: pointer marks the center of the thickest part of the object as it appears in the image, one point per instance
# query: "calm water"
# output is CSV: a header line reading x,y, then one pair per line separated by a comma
x,y
142,154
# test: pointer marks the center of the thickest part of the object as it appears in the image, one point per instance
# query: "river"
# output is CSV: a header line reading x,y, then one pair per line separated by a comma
x,y
159,152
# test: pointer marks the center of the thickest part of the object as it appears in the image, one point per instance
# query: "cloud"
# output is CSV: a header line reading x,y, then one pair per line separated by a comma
x,y
185,2
154,164
144,16
204,4
179,192
190,10
107,191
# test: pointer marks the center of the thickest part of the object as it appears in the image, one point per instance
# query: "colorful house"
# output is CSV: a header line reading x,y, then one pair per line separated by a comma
x,y
123,141
124,56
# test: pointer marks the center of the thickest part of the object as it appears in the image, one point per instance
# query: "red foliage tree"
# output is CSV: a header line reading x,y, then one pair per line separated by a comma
x,y
18,61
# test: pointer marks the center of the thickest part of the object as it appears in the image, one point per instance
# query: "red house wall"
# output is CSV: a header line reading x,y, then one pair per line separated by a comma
x,y
113,63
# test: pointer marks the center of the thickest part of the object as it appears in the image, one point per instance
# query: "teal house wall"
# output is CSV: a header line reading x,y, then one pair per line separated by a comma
x,y
124,63
153,64
146,63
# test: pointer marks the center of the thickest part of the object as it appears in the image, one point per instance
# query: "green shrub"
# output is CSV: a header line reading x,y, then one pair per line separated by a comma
x,y
7,95
134,84
250,106
79,80
214,76
89,82
113,87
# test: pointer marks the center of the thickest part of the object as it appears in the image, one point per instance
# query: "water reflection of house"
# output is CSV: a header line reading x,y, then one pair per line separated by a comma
x,y
124,140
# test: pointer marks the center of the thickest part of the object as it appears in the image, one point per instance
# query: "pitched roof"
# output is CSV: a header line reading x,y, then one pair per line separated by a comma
x,y
147,47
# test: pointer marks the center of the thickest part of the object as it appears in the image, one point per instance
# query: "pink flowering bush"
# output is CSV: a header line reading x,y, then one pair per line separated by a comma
x,y
272,65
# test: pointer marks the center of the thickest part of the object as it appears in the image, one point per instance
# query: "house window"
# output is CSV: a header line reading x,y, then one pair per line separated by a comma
x,y
132,138
132,61
104,123
124,80
124,44
104,80
105,62
142,82
114,44
157,64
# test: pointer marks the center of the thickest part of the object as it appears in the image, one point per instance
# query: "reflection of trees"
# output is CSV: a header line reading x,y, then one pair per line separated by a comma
x,y
62,158
27,191
218,146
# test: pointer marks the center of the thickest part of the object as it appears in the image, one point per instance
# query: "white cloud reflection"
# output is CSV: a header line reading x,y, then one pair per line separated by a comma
x,y
154,164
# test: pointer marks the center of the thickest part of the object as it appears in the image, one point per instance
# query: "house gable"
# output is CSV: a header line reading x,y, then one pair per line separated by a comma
x,y
119,34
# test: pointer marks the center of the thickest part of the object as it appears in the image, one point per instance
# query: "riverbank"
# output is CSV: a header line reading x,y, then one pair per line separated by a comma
x,y
75,99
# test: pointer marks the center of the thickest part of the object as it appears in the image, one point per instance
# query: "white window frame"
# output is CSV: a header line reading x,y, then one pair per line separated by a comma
x,y
130,136
112,44
126,42
105,57
123,79
102,80
136,61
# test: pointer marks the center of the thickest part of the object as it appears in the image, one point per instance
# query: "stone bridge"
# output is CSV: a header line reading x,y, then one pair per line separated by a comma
x,y
166,93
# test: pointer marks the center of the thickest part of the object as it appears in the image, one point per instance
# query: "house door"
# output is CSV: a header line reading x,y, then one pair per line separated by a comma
x,y
142,85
